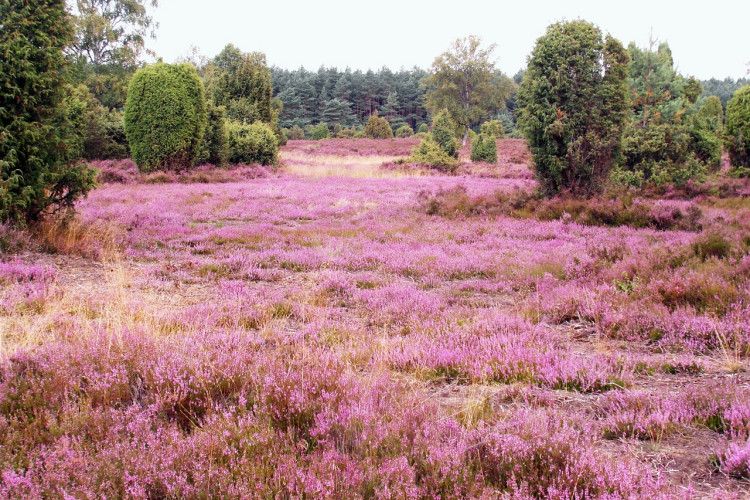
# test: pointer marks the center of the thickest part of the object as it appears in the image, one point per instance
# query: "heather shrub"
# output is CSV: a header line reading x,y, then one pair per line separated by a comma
x,y
165,117
443,133
429,153
378,128
317,132
254,143
484,148
296,133
573,106
404,131
737,130
494,128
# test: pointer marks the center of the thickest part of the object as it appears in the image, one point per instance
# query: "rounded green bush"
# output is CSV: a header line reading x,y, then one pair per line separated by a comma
x,y
250,144
404,131
737,128
484,148
296,133
423,128
494,128
317,132
428,152
165,117
378,128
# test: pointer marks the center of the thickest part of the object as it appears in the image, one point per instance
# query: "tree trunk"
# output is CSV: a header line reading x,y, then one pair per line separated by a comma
x,y
466,136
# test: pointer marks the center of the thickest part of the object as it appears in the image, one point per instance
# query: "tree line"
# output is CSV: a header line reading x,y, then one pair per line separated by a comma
x,y
68,72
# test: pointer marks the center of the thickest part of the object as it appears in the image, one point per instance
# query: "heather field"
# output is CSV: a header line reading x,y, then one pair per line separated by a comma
x,y
351,326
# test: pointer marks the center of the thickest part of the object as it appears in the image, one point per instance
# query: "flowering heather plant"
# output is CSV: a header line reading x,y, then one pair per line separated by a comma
x,y
305,334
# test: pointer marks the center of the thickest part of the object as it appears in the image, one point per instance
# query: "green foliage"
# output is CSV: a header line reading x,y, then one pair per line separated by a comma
x,y
241,82
317,132
347,133
112,32
692,89
378,128
724,89
38,136
250,144
423,128
429,153
464,82
484,148
404,131
712,114
296,133
737,131
216,139
165,117
100,130
668,140
494,128
443,134
573,106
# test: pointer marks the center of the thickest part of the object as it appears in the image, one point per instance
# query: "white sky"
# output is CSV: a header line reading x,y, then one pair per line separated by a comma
x,y
708,38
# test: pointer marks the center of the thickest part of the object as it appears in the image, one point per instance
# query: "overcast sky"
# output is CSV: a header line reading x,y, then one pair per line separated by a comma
x,y
708,39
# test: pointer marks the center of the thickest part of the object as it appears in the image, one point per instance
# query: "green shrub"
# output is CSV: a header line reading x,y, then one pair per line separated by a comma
x,y
296,133
404,131
250,144
423,128
429,153
347,133
665,153
39,142
443,133
494,128
216,138
737,130
573,104
165,117
712,114
378,128
705,143
712,245
484,148
317,132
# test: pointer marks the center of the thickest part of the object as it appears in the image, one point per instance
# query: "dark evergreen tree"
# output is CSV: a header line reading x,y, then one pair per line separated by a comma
x,y
573,105
38,142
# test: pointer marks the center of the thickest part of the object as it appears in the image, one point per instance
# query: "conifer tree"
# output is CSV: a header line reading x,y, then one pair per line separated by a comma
x,y
573,105
38,143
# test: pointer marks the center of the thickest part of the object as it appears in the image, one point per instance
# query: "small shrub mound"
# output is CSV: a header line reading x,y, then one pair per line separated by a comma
x,y
317,132
296,133
423,128
251,144
484,148
494,128
404,131
378,128
429,153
